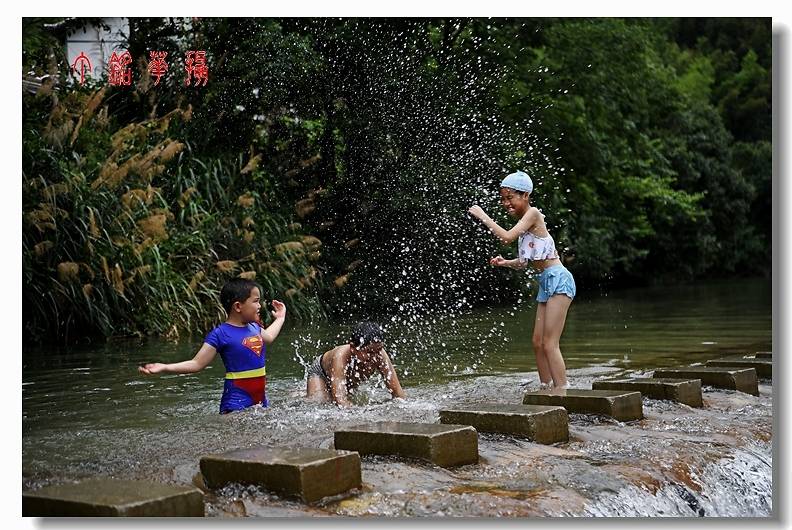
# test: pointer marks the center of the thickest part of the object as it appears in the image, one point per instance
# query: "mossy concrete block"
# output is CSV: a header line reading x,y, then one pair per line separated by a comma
x,y
108,497
443,445
542,424
764,367
687,391
305,473
764,355
619,404
742,379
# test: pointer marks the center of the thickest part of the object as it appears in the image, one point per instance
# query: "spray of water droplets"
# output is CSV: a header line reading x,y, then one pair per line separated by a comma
x,y
423,142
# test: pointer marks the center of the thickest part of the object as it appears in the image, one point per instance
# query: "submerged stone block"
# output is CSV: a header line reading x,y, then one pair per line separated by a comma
x,y
742,379
687,391
306,473
764,355
618,404
108,497
542,424
763,367
443,445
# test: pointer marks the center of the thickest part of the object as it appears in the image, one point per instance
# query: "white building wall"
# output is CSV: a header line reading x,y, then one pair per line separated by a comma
x,y
97,44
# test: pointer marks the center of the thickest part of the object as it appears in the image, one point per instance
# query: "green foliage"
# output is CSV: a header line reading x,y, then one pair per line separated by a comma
x,y
125,231
653,190
744,99
648,140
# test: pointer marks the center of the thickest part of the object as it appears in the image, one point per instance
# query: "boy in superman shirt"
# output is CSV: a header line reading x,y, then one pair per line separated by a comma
x,y
241,342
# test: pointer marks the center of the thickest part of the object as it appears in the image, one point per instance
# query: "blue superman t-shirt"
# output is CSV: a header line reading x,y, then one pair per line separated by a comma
x,y
241,350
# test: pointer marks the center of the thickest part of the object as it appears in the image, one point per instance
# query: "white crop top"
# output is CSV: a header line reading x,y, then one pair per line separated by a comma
x,y
532,247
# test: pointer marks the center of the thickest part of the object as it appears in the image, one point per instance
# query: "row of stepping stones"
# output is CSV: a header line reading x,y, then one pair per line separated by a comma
x,y
311,474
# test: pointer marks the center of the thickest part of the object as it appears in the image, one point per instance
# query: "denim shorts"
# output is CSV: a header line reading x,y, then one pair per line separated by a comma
x,y
555,279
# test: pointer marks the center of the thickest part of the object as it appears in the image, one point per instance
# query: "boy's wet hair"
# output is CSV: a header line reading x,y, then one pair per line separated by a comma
x,y
237,290
365,333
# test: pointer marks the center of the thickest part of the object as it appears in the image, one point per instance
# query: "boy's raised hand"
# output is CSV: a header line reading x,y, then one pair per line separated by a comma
x,y
280,309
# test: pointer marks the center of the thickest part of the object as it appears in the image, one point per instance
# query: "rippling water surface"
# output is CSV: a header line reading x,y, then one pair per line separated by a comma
x,y
87,412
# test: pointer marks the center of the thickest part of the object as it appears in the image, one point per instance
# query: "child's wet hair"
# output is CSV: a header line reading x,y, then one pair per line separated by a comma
x,y
365,333
237,290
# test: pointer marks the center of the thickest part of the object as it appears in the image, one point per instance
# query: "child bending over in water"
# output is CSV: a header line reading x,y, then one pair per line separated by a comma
x,y
336,373
556,284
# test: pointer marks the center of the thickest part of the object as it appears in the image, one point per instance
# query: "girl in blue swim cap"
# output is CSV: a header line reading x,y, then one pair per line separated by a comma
x,y
556,284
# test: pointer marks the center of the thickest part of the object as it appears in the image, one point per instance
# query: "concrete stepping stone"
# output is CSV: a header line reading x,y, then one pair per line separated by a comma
x,y
764,355
306,473
742,379
687,391
621,405
443,445
109,497
539,423
764,367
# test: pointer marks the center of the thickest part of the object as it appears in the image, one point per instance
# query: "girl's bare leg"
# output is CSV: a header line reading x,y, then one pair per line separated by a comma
x,y
542,365
317,390
555,318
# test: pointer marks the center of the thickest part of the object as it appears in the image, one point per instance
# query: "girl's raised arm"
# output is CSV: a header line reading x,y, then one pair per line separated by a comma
x,y
507,236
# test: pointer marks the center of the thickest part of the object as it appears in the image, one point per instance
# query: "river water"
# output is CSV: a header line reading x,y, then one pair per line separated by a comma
x,y
87,412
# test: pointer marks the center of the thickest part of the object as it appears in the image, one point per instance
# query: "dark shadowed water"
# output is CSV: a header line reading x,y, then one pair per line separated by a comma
x,y
87,412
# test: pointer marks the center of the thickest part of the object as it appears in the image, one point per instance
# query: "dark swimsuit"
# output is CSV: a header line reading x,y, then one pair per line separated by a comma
x,y
316,369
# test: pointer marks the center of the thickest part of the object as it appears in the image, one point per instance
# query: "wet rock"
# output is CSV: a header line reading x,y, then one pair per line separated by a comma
x,y
107,497
687,391
542,424
635,475
358,505
691,500
763,367
443,445
235,508
619,404
306,473
742,379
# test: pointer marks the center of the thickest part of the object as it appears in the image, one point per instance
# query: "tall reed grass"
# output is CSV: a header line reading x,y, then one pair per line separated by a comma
x,y
128,231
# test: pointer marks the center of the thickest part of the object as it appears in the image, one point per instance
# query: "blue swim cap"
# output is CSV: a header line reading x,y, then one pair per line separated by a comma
x,y
518,181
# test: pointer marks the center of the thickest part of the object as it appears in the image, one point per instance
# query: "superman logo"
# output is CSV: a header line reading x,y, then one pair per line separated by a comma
x,y
254,344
